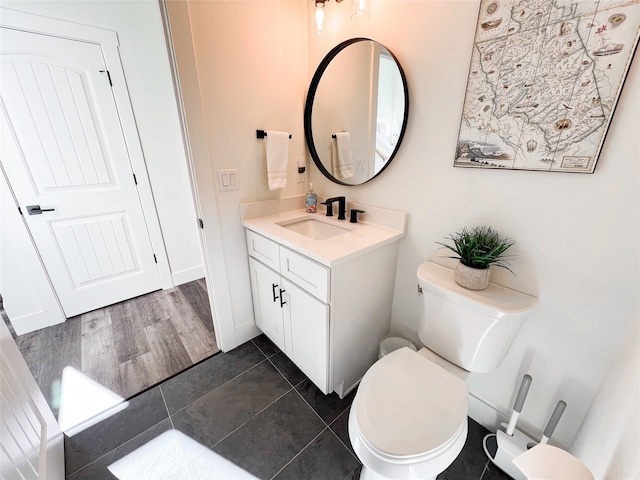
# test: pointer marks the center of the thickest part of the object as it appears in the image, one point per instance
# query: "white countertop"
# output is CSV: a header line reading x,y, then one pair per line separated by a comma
x,y
362,237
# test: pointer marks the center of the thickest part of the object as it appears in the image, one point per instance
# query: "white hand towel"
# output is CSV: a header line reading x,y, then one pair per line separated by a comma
x,y
277,158
343,162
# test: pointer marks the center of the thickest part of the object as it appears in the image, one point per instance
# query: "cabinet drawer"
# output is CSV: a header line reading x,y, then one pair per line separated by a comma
x,y
307,274
263,249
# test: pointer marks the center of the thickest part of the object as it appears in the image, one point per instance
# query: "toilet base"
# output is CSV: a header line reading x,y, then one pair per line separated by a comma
x,y
368,474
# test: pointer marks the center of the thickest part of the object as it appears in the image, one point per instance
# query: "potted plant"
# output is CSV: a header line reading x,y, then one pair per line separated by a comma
x,y
478,249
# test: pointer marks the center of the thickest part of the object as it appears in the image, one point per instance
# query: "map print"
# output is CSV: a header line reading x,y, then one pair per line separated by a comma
x,y
544,80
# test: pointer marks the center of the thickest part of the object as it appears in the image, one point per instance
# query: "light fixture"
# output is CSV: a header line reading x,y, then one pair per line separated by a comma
x,y
360,10
320,19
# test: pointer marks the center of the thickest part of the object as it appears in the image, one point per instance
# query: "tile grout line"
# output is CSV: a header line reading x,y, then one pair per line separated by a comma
x,y
230,380
484,470
243,424
219,386
327,425
299,453
314,410
173,430
164,402
67,475
262,351
283,375
250,419
339,439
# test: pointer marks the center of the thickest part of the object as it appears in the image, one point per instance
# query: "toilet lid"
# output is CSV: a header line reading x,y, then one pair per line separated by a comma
x,y
406,405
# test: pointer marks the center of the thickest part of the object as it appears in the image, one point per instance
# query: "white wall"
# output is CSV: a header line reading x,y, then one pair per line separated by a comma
x,y
146,66
577,235
608,439
251,63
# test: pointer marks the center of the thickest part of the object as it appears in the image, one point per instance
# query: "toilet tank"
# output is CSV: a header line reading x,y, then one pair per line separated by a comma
x,y
470,328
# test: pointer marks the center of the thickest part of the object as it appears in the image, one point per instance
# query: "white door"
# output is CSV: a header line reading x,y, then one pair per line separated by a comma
x,y
64,153
266,292
31,444
306,329
28,298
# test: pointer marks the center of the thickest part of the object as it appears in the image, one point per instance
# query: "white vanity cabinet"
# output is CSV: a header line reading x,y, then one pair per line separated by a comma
x,y
328,319
289,313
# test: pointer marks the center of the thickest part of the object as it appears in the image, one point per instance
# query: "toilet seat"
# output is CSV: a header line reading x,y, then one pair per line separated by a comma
x,y
408,407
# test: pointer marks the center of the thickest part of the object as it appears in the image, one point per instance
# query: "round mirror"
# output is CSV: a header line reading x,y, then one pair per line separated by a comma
x,y
356,111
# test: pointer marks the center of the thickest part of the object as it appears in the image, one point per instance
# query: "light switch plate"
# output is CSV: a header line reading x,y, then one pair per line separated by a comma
x,y
228,180
301,177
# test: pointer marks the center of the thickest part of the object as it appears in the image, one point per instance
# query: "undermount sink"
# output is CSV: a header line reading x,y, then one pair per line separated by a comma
x,y
314,228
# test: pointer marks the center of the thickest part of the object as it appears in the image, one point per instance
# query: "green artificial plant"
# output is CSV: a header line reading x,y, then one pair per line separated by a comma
x,y
480,247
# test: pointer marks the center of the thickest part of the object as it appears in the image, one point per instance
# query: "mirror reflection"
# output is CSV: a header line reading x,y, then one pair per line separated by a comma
x,y
356,111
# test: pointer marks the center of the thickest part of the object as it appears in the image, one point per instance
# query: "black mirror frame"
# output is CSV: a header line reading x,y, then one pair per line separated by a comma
x,y
308,109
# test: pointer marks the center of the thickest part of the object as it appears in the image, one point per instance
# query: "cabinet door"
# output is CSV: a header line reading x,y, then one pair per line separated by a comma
x,y
306,321
265,287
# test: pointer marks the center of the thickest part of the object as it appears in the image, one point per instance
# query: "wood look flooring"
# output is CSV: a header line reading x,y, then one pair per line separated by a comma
x,y
127,347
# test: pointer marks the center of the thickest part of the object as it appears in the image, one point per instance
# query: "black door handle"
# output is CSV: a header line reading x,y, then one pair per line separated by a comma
x,y
282,302
273,289
36,210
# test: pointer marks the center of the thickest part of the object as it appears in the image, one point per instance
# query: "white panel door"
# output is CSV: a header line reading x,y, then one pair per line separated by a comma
x,y
31,444
28,298
63,150
306,328
266,292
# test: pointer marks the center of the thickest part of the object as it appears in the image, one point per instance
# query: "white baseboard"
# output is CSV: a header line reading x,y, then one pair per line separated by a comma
x,y
246,332
485,414
187,275
490,418
35,321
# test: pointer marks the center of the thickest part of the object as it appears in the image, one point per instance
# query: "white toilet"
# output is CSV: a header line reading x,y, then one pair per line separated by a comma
x,y
408,419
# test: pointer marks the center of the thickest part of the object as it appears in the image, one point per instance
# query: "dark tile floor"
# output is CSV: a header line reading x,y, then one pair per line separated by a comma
x,y
246,414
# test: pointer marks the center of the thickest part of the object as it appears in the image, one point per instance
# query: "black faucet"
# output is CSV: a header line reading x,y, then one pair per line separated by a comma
x,y
342,207
353,218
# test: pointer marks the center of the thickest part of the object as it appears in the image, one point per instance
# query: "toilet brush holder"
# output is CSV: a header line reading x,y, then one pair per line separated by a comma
x,y
503,446
502,449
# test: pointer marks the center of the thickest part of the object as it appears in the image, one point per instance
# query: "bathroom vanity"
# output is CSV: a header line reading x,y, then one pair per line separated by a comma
x,y
322,288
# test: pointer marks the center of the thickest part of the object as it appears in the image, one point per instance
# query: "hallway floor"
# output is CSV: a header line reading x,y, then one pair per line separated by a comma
x,y
127,347
246,414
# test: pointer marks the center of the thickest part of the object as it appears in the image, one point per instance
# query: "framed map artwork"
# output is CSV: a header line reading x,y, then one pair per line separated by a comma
x,y
544,81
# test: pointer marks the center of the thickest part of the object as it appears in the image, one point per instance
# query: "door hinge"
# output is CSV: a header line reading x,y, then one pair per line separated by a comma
x,y
135,179
154,258
201,223
108,76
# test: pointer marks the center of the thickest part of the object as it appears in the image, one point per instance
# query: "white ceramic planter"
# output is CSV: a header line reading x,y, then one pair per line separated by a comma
x,y
472,278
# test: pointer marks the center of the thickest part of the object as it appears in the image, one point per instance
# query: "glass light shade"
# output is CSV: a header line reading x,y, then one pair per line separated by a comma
x,y
320,22
360,10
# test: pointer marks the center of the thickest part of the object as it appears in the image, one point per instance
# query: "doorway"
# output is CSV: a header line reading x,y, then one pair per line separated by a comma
x,y
74,147
67,163
126,347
